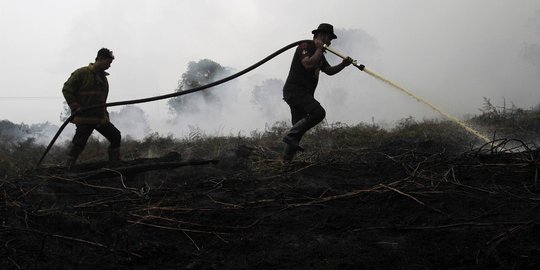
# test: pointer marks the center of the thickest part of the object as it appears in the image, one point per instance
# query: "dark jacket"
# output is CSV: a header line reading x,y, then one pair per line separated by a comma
x,y
85,88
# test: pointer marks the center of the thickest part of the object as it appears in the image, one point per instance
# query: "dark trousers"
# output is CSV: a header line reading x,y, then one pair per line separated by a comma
x,y
83,132
306,112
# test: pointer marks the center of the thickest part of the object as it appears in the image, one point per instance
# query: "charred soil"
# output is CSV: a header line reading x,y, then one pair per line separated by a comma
x,y
397,205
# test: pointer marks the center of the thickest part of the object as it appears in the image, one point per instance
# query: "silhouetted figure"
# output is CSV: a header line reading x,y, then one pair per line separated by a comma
x,y
298,91
86,87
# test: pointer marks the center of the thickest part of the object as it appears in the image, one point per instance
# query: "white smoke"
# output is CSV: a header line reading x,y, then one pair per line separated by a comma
x,y
240,107
132,122
254,102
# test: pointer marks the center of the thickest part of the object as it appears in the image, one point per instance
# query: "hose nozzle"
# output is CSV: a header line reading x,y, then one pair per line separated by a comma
x,y
354,62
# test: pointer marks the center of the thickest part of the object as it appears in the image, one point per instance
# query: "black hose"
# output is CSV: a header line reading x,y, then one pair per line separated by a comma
x,y
176,94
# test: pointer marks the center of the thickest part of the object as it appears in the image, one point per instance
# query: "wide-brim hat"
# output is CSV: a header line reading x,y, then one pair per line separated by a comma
x,y
326,28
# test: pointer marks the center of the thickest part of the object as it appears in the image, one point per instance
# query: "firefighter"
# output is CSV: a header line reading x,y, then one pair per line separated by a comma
x,y
299,88
87,87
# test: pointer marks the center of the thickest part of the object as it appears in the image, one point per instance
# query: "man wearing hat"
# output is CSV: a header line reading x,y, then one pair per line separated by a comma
x,y
299,88
88,87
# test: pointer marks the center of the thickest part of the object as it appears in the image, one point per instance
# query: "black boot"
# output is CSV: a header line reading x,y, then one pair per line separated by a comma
x,y
292,139
72,156
70,162
288,153
293,143
114,157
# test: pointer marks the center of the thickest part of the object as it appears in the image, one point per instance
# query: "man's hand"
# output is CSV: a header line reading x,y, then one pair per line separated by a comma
x,y
347,61
319,44
75,108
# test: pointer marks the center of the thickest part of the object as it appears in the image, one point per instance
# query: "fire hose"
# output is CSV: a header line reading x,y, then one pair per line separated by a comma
x,y
176,94
238,74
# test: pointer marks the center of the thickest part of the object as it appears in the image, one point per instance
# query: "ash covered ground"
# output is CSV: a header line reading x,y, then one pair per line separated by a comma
x,y
420,204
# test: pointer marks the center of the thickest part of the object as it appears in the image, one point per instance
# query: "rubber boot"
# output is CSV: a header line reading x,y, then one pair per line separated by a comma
x,y
70,162
288,153
114,157
295,134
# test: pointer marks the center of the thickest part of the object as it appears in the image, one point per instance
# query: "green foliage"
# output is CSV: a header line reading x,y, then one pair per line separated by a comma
x,y
19,153
271,132
10,131
153,145
447,132
18,156
342,136
494,115
512,122
19,149
198,74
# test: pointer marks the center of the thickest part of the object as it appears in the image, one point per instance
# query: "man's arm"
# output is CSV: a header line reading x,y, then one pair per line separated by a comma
x,y
310,62
339,67
69,89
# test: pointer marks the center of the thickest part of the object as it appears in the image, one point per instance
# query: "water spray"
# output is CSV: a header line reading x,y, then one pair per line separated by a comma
x,y
409,93
242,72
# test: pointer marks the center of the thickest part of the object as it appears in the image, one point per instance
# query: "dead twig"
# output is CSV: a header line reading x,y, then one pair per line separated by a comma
x,y
347,195
69,238
84,183
446,226
415,199
139,222
144,190
491,245
235,206
14,263
192,241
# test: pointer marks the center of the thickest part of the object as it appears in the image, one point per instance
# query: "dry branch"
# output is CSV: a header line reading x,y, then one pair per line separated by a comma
x,y
134,169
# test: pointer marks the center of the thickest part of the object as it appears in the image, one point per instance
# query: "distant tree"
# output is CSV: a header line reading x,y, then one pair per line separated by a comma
x,y
12,131
42,132
198,74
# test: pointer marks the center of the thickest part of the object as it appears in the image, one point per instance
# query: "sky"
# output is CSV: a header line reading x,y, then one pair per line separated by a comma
x,y
453,53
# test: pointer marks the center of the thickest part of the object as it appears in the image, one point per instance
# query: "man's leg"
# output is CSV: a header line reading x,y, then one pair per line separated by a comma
x,y
289,152
306,113
82,133
111,133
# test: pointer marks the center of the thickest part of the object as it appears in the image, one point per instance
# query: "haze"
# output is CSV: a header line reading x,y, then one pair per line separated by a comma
x,y
450,52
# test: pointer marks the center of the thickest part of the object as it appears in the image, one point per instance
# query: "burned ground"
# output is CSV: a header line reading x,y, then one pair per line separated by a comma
x,y
399,204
